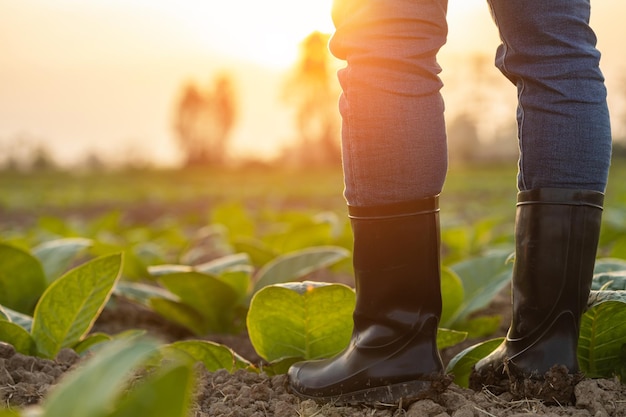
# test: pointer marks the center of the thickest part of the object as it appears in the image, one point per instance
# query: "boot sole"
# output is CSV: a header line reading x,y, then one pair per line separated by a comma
x,y
394,395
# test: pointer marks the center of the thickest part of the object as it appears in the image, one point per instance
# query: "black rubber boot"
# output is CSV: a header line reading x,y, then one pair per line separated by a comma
x,y
392,357
556,232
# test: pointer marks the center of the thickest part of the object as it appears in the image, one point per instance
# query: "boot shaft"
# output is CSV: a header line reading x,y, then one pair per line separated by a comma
x,y
396,259
557,232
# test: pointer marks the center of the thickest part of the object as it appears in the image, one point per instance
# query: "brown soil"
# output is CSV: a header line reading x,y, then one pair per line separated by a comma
x,y
25,380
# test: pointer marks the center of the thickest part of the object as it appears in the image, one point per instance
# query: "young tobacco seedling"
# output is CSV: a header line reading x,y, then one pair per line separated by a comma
x,y
65,311
25,276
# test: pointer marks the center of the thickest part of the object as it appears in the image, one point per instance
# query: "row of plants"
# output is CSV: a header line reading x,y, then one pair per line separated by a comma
x,y
43,311
51,294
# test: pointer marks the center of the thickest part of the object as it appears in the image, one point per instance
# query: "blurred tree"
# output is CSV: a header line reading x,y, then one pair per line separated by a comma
x,y
204,120
25,152
313,91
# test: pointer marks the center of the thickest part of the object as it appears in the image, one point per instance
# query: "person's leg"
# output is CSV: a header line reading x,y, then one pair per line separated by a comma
x,y
394,157
548,51
393,136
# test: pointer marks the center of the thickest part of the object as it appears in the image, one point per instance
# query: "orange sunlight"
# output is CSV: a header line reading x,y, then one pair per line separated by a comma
x,y
103,76
266,32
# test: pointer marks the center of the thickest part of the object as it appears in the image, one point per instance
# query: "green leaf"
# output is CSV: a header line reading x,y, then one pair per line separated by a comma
x,y
18,337
22,279
213,355
240,280
296,265
259,252
3,314
611,280
56,256
71,304
609,265
235,218
90,341
223,264
452,296
305,319
483,278
91,389
212,298
447,337
300,235
181,314
602,337
599,297
280,366
23,320
167,394
167,269
480,326
17,413
141,293
461,365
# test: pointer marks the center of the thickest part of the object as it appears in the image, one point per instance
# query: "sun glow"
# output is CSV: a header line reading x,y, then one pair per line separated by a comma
x,y
266,32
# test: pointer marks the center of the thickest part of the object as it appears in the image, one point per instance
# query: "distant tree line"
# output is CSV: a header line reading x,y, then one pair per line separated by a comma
x,y
481,129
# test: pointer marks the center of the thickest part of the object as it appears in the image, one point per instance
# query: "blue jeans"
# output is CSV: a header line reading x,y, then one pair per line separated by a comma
x,y
393,135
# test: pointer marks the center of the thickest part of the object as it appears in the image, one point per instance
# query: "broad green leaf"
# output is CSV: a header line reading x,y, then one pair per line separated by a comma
x,y
141,293
16,413
90,341
159,270
223,264
56,256
300,236
213,355
483,278
239,279
452,296
447,337
296,265
22,279
91,389
181,314
280,366
166,394
212,298
461,365
599,297
612,280
23,320
602,338
481,326
18,337
235,218
72,303
305,319
259,252
609,265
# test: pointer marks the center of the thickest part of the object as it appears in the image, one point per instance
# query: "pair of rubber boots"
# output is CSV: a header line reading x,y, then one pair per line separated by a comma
x,y
393,358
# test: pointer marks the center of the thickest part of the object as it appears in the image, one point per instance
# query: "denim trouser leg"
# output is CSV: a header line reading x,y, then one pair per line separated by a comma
x,y
393,136
548,51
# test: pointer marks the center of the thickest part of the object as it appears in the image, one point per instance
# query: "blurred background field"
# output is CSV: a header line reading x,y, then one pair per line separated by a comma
x,y
160,216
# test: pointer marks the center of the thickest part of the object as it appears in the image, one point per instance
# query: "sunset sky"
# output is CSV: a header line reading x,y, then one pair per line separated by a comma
x,y
103,75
